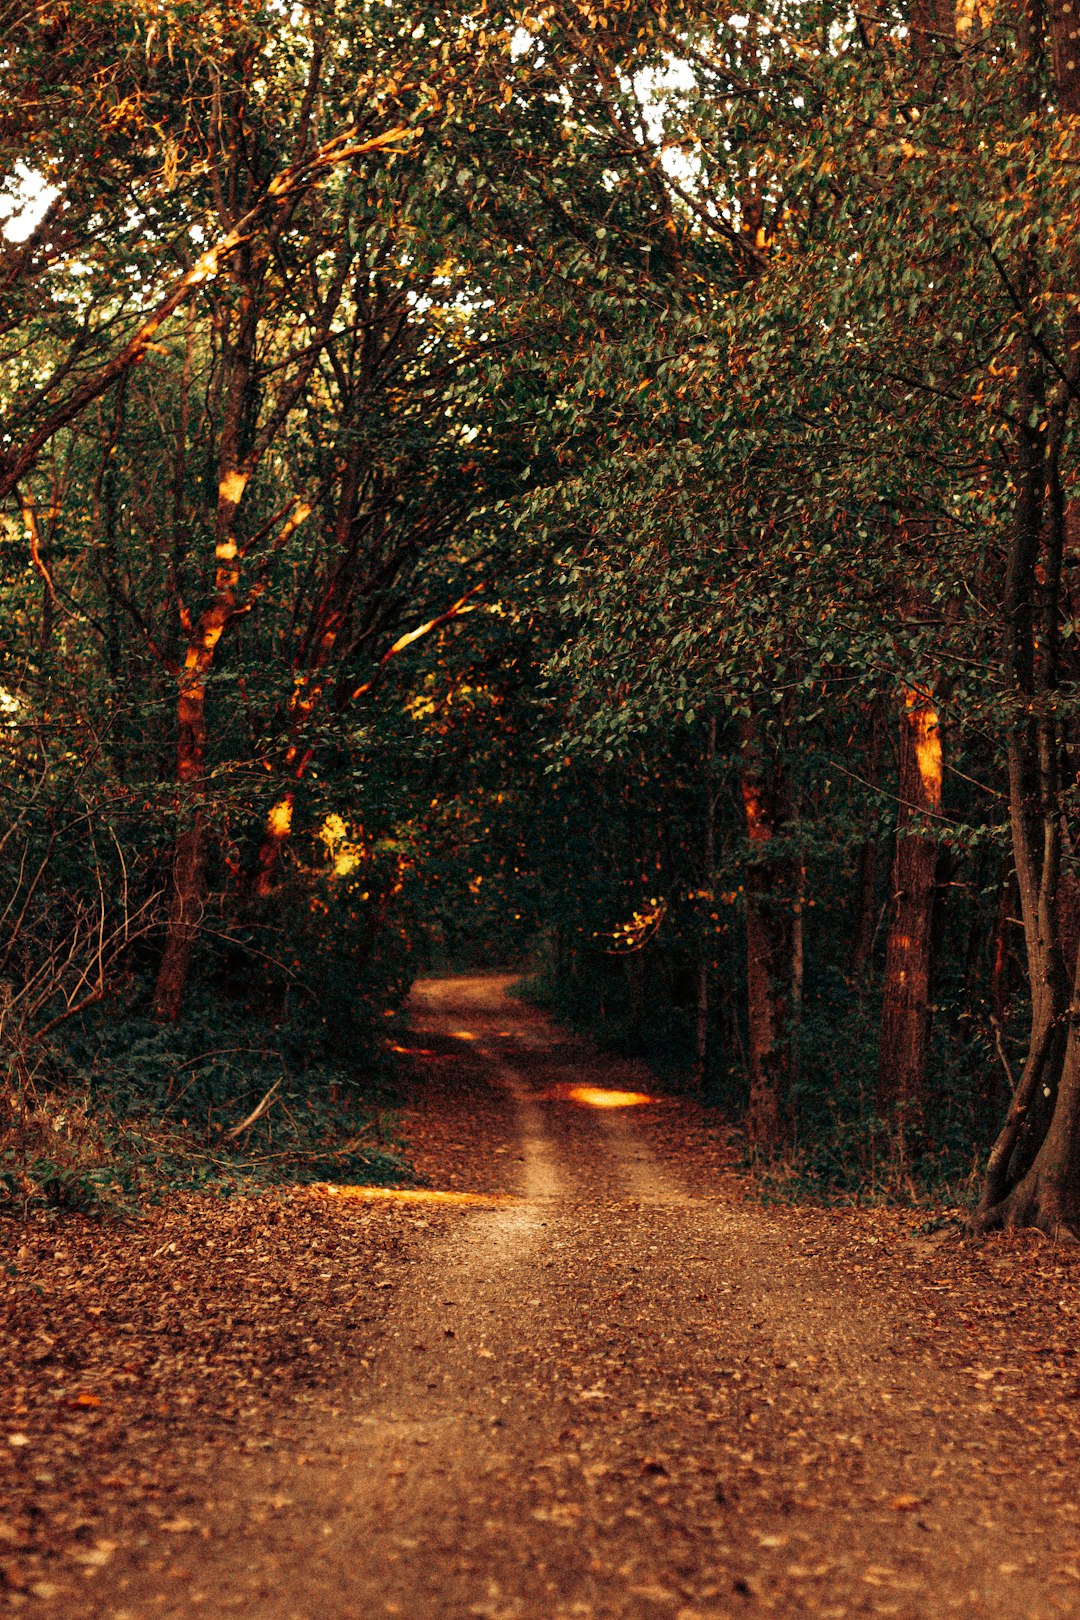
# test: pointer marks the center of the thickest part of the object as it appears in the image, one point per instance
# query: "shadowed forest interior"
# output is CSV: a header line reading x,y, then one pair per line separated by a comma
x,y
588,487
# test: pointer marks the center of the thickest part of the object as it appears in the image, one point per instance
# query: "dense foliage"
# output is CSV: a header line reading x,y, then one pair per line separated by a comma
x,y
591,484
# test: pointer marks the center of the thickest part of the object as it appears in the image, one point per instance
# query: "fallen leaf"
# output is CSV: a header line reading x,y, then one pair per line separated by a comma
x,y
97,1556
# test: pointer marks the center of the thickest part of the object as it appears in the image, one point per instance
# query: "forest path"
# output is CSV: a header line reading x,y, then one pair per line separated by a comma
x,y
617,1392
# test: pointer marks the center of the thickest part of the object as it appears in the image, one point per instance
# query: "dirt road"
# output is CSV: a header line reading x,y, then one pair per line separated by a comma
x,y
615,1391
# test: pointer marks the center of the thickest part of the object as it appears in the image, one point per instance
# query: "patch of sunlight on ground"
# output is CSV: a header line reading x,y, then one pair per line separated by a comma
x,y
415,1195
598,1097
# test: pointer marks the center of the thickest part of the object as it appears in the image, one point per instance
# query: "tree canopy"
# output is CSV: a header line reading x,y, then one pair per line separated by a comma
x,y
590,487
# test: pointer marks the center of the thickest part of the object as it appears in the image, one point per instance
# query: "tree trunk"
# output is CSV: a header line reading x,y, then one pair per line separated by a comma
x,y
768,955
1031,1174
189,851
798,970
866,911
905,1013
185,915
1063,21
1048,1195
701,1020
701,1023
867,866
234,473
635,975
999,989
1026,1126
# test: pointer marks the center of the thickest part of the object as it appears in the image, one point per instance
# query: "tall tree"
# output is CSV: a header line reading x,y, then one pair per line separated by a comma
x,y
907,989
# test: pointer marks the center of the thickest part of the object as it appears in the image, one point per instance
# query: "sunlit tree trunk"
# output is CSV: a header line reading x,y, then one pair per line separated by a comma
x,y
250,420
189,855
905,1011
309,671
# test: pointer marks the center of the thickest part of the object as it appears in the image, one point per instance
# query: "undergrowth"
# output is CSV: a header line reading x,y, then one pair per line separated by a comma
x,y
842,1151
123,1111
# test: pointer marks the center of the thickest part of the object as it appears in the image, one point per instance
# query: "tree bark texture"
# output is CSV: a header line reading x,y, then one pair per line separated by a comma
x,y
906,996
1063,23
1033,1172
234,472
185,916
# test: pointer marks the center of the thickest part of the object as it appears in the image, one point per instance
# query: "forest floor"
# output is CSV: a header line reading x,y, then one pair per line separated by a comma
x,y
594,1378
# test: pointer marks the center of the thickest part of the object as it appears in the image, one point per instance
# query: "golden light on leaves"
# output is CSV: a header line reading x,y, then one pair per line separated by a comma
x,y
279,821
973,16
344,852
643,925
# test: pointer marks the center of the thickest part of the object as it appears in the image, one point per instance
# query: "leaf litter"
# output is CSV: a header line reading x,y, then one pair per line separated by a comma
x,y
137,1357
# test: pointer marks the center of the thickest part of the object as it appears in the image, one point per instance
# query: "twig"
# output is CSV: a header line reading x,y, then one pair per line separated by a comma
x,y
454,611
1000,1044
256,1113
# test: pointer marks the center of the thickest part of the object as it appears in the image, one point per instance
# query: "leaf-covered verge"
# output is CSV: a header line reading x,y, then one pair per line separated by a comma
x,y
133,1112
137,1352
